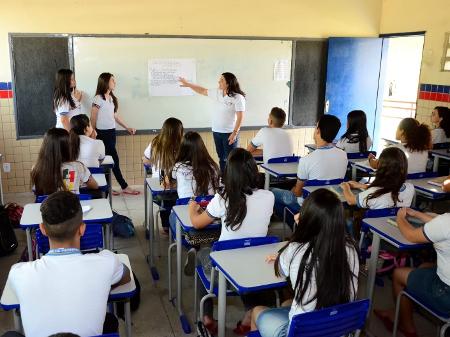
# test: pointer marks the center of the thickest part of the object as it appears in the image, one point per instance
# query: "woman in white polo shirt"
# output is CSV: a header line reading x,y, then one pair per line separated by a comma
x,y
103,119
227,119
66,98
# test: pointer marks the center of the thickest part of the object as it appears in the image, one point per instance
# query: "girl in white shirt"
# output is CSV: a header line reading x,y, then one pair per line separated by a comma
x,y
56,170
66,98
440,117
356,138
83,145
321,261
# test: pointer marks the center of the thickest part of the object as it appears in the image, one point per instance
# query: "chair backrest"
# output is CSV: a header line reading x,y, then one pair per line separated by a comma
x,y
339,320
360,155
288,159
41,198
421,175
242,243
94,170
382,212
91,240
185,201
316,182
439,146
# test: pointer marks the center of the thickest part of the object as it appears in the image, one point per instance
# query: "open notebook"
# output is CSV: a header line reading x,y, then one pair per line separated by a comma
x,y
338,190
86,208
413,221
437,181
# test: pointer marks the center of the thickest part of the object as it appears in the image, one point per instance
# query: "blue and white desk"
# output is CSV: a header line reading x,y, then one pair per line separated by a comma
x,y
100,213
439,154
9,300
108,163
279,170
307,190
427,190
247,271
360,165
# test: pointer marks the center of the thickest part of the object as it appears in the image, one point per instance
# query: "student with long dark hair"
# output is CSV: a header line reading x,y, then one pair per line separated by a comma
x,y
227,120
55,169
244,210
83,145
440,117
66,98
103,119
321,261
356,138
415,141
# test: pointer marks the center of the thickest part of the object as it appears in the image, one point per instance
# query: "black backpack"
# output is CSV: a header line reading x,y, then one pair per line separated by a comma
x,y
8,240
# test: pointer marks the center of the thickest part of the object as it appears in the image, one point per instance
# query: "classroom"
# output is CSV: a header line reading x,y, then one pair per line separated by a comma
x,y
254,168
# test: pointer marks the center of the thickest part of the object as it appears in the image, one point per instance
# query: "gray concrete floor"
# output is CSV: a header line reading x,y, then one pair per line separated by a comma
x,y
156,316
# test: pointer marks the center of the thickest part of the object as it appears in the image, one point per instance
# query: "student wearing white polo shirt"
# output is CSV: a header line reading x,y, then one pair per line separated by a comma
x,y
327,162
66,98
440,117
66,290
103,118
356,138
227,119
83,145
274,139
430,283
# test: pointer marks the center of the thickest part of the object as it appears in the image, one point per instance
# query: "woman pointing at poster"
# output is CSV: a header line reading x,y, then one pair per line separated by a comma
x,y
228,114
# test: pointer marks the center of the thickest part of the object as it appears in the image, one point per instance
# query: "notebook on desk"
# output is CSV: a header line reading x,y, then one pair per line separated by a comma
x,y
437,181
417,223
340,192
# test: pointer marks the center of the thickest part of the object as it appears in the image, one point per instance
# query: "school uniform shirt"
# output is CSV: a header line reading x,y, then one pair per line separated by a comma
x,y
350,146
186,184
417,160
148,155
64,109
224,115
105,115
74,175
65,292
275,142
256,222
91,151
438,232
405,197
438,136
290,260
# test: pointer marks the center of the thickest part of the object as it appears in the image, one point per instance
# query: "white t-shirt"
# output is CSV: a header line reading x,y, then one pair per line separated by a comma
x,y
105,115
74,175
224,116
405,196
350,147
65,293
275,141
256,222
438,232
186,183
438,136
91,151
64,109
148,155
290,260
417,160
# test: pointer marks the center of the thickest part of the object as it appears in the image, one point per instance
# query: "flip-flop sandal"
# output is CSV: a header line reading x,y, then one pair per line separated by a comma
x,y
115,193
241,330
133,192
387,322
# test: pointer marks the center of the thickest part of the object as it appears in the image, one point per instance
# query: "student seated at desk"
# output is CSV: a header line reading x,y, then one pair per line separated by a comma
x,y
325,163
446,185
356,138
245,212
274,139
66,290
440,117
430,283
319,237
415,141
55,168
83,144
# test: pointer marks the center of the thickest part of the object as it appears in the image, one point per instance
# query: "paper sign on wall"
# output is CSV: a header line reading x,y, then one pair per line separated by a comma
x,y
282,70
163,76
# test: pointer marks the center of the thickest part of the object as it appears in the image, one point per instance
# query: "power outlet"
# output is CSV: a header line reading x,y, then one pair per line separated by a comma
x,y
6,167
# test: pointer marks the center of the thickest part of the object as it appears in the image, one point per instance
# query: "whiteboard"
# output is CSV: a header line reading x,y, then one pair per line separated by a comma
x,y
252,61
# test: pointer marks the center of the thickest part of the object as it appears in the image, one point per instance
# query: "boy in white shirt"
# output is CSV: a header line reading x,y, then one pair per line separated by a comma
x,y
326,163
65,290
274,139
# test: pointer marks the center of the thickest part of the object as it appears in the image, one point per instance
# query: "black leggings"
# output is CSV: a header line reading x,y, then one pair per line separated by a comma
x,y
109,139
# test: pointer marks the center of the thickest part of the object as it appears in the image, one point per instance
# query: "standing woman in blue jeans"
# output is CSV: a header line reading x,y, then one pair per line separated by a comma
x,y
228,115
103,119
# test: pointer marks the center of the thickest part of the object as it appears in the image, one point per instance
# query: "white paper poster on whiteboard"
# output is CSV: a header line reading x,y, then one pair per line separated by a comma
x,y
163,76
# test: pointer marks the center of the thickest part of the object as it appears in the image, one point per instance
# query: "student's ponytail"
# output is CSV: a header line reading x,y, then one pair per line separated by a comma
x,y
418,136
78,125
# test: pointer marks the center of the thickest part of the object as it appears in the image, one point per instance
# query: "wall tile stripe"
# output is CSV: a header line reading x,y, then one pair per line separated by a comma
x,y
434,92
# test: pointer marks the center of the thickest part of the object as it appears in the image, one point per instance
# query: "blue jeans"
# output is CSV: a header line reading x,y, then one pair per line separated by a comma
x,y
223,149
285,198
273,322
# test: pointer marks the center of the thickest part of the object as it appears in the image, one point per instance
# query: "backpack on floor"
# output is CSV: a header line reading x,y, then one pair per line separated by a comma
x,y
8,240
122,226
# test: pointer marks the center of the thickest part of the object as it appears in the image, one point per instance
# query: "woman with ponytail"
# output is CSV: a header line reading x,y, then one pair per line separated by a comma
x,y
66,98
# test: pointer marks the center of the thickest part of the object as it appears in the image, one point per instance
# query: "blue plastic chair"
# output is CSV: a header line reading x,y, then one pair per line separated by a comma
x,y
443,316
360,155
317,182
281,160
90,241
336,321
209,284
40,198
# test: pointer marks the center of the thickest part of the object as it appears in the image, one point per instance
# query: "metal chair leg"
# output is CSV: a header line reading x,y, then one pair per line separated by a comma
x,y
397,312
